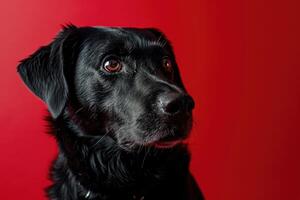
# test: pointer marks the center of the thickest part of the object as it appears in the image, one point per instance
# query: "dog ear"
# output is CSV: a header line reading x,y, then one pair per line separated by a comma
x,y
43,72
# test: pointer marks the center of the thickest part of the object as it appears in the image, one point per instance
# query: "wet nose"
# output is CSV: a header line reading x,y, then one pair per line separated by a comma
x,y
175,103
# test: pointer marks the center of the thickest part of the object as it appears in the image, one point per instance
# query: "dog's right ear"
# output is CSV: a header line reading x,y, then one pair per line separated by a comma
x,y
43,72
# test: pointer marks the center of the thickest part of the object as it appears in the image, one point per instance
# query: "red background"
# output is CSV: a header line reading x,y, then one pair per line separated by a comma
x,y
239,59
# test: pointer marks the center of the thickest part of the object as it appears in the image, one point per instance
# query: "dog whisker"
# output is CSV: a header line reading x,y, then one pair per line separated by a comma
x,y
98,141
79,109
144,159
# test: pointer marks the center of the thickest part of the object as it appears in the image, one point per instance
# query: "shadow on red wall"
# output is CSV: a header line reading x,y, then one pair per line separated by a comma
x,y
239,59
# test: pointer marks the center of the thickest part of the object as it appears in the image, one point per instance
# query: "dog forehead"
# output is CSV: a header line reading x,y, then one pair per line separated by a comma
x,y
127,38
106,38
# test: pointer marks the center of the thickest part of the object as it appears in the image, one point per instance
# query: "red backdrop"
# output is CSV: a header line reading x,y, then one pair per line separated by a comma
x,y
239,59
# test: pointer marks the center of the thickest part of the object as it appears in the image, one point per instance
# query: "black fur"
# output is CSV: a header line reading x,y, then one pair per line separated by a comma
x,y
120,134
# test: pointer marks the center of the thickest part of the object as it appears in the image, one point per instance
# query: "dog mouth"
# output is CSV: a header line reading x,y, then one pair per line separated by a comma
x,y
159,139
165,144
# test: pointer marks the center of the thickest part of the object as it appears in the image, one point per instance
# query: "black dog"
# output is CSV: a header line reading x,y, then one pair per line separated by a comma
x,y
119,113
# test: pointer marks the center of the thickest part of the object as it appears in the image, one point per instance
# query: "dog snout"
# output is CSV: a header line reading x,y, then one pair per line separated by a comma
x,y
174,103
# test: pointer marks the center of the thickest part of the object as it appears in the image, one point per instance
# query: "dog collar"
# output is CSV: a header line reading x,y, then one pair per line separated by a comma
x,y
88,194
134,197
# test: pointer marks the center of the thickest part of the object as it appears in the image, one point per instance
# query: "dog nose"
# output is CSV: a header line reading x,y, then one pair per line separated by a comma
x,y
175,103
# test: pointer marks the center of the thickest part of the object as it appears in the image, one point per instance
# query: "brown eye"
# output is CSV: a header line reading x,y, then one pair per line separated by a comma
x,y
167,64
112,66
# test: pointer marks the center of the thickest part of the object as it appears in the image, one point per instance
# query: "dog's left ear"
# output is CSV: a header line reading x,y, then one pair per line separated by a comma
x,y
43,72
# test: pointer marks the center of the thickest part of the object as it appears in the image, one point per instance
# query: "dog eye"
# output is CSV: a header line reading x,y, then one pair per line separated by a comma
x,y
112,66
167,64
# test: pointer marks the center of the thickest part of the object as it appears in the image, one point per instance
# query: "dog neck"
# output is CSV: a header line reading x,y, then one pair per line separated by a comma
x,y
97,167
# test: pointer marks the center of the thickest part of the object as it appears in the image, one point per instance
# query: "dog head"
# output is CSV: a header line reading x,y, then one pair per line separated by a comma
x,y
122,83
